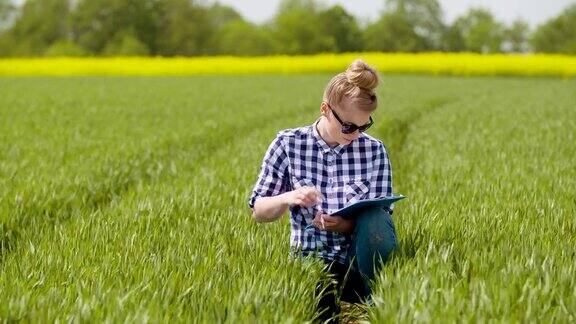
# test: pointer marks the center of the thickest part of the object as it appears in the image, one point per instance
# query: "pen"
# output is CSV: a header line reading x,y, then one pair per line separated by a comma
x,y
319,201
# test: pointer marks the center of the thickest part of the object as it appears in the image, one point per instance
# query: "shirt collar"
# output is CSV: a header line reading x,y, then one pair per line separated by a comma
x,y
322,144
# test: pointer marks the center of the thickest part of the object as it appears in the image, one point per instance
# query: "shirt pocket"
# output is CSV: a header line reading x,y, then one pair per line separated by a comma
x,y
354,189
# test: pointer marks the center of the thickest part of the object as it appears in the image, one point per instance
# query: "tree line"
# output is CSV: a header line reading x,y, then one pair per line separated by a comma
x,y
191,28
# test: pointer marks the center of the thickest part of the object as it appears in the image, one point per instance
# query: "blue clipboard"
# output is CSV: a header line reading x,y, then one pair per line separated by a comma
x,y
380,202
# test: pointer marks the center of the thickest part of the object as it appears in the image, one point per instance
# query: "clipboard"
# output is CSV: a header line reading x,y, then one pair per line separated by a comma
x,y
352,210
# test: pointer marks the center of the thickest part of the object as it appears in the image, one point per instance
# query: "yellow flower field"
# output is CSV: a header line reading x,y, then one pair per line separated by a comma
x,y
467,64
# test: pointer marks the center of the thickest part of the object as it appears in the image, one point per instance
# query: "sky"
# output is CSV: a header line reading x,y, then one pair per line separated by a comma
x,y
534,12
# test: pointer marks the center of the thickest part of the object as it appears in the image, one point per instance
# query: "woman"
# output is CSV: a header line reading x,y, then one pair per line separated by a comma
x,y
318,169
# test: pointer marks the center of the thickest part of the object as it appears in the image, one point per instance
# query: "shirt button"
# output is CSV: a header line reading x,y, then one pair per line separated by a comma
x,y
330,180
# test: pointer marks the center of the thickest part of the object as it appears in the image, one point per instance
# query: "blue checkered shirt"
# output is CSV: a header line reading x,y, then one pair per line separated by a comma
x,y
344,174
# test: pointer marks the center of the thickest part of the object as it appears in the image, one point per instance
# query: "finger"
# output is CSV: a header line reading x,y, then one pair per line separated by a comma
x,y
313,202
314,193
317,221
329,218
299,196
328,227
317,224
311,194
304,200
331,223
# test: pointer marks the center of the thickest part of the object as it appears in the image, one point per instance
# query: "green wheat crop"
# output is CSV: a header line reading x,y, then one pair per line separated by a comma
x,y
125,199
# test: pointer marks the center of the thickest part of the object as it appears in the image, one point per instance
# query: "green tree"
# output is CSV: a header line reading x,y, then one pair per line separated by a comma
x,y
516,37
479,31
99,22
557,35
239,37
343,28
220,15
296,30
217,39
407,25
125,44
64,48
391,33
7,9
453,40
39,24
185,28
426,17
289,5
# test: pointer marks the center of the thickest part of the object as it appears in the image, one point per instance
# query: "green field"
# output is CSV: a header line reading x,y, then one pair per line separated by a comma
x,y
125,199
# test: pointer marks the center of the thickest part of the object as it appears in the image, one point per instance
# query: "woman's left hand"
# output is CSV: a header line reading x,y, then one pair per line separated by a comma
x,y
333,223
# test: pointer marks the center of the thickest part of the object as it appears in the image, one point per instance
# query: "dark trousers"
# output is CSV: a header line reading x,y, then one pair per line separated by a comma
x,y
345,283
373,239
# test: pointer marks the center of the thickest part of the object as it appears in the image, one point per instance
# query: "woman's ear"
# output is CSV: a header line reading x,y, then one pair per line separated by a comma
x,y
323,109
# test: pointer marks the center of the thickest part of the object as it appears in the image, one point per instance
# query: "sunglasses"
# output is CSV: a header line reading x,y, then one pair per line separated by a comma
x,y
348,128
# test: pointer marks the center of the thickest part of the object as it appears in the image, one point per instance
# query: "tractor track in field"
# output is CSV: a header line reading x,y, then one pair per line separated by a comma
x,y
120,177
398,130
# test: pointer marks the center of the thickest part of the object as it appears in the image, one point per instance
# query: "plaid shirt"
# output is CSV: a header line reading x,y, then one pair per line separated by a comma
x,y
344,174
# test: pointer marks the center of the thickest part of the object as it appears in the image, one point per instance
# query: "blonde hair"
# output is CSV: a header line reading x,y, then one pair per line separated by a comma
x,y
356,83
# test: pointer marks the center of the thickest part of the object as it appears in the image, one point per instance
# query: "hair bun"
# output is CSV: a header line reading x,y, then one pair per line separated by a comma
x,y
362,75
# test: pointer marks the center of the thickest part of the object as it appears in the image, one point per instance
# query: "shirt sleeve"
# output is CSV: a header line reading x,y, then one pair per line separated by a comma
x,y
272,179
381,180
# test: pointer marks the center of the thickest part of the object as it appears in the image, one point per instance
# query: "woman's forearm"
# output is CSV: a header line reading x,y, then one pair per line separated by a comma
x,y
268,209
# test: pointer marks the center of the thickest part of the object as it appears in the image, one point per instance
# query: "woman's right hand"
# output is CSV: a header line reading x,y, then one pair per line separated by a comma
x,y
305,196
